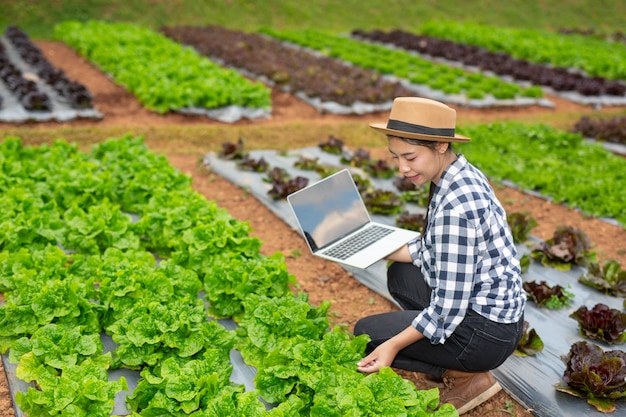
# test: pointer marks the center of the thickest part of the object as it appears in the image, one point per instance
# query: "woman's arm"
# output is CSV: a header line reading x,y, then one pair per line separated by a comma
x,y
384,354
401,255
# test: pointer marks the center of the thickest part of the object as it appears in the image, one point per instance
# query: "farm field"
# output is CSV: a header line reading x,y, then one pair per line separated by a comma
x,y
186,139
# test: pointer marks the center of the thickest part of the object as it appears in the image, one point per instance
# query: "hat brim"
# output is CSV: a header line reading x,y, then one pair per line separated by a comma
x,y
382,127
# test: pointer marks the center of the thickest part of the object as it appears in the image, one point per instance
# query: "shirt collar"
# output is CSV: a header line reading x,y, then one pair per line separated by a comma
x,y
447,177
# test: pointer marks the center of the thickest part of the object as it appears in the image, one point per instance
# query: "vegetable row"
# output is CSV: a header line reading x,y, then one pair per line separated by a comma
x,y
558,78
116,241
292,69
596,57
28,91
398,63
162,74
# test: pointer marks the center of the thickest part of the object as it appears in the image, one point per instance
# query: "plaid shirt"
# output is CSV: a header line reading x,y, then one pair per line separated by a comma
x,y
467,255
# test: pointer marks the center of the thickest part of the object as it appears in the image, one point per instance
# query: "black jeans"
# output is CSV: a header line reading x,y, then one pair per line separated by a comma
x,y
477,344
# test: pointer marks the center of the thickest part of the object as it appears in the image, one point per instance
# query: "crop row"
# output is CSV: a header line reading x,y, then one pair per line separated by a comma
x,y
27,88
74,92
75,264
416,70
291,69
503,64
559,165
596,57
606,130
164,75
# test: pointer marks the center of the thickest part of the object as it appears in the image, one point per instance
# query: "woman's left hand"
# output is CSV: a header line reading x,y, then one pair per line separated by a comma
x,y
380,357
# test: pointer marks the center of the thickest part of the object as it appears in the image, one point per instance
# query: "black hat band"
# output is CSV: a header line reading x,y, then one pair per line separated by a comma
x,y
419,129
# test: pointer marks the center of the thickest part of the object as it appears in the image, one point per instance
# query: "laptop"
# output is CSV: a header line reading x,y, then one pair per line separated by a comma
x,y
336,225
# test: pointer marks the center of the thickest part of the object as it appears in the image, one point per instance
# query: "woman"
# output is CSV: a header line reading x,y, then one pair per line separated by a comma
x,y
459,284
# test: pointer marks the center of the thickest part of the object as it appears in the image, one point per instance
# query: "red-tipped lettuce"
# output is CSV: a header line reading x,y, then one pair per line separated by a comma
x,y
598,376
601,323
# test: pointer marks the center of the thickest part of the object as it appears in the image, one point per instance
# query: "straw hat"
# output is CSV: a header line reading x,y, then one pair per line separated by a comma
x,y
421,118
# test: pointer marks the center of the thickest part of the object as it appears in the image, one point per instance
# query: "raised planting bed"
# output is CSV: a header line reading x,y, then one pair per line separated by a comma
x,y
596,57
327,83
164,75
437,81
32,89
569,83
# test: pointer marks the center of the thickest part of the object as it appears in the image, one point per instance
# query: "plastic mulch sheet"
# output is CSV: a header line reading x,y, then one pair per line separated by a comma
x,y
529,380
12,111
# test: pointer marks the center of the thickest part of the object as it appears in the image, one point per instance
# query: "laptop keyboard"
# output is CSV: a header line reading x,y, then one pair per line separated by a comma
x,y
358,241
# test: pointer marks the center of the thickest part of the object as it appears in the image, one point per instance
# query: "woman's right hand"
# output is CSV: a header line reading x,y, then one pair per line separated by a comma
x,y
380,357
384,354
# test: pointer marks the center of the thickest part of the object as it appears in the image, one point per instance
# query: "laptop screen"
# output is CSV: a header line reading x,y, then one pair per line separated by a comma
x,y
329,209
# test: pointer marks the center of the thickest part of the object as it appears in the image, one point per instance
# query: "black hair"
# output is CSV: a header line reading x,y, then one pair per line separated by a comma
x,y
431,144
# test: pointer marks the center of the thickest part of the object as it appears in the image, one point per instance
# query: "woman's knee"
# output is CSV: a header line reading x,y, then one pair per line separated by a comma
x,y
407,286
396,276
362,326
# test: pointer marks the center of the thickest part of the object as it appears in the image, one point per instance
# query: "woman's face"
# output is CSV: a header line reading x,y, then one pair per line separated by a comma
x,y
419,164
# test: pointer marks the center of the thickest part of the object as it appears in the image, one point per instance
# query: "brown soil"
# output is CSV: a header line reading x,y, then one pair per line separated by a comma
x,y
322,280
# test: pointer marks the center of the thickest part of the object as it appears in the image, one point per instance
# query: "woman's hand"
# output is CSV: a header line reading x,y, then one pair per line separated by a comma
x,y
380,357
387,351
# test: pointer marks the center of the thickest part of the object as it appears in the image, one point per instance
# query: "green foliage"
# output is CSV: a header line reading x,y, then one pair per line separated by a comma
x,y
323,372
81,390
608,277
57,346
594,56
275,323
41,293
164,75
181,387
230,280
400,64
552,162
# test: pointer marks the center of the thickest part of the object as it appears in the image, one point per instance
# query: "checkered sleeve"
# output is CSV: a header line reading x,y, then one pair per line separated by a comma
x,y
414,247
